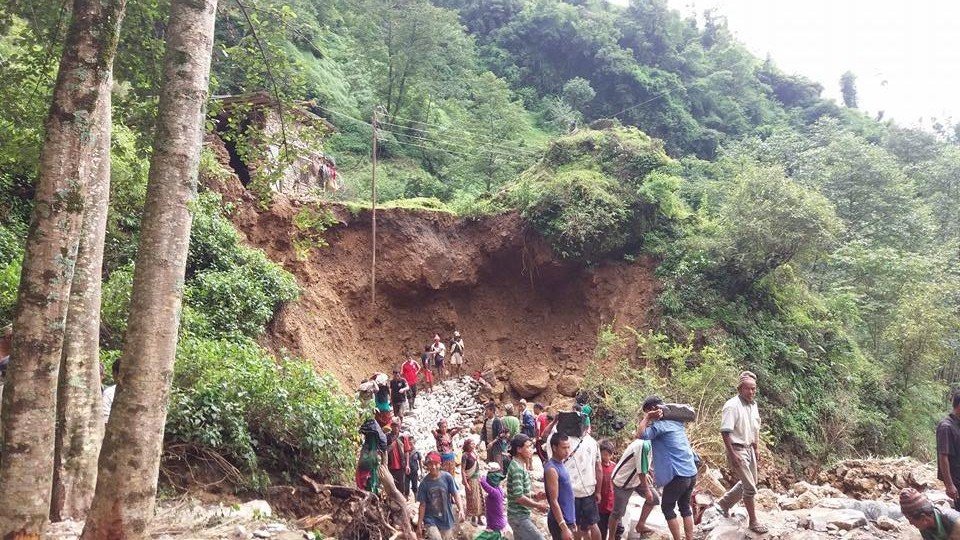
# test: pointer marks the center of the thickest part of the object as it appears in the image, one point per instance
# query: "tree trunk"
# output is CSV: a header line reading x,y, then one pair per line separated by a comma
x,y
79,410
130,458
29,400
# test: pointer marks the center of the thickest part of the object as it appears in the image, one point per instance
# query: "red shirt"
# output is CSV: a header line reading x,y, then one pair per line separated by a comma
x,y
409,371
606,488
542,423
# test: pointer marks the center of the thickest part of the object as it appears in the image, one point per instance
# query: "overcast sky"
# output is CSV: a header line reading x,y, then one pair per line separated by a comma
x,y
906,55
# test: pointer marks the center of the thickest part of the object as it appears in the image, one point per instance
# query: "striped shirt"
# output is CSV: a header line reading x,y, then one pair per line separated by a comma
x,y
518,485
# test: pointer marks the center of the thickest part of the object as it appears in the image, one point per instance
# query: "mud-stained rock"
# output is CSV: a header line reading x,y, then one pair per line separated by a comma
x,y
568,385
531,385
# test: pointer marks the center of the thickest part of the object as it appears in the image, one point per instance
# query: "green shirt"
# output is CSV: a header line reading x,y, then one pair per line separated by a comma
x,y
512,423
518,485
947,521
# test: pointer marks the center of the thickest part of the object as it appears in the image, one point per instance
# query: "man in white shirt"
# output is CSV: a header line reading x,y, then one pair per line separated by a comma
x,y
439,351
740,428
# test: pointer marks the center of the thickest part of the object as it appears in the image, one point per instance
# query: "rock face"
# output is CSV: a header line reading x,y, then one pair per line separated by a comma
x,y
532,385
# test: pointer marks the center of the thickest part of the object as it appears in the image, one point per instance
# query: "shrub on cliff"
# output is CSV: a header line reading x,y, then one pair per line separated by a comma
x,y
597,192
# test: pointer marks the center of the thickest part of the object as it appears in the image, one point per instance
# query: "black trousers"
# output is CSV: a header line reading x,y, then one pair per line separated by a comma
x,y
677,494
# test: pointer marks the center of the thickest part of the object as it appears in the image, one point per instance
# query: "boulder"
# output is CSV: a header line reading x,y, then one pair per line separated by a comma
x,y
568,385
885,523
843,519
766,499
530,384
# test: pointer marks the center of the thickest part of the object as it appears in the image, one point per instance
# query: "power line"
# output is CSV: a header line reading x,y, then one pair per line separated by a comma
x,y
475,150
467,139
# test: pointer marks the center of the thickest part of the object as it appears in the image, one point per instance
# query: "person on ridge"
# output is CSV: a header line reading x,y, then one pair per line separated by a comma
x,y
456,354
674,466
562,517
740,428
932,522
439,352
410,370
948,452
437,496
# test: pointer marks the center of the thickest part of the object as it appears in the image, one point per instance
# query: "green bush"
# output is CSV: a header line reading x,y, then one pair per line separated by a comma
x,y
114,306
9,285
241,300
233,398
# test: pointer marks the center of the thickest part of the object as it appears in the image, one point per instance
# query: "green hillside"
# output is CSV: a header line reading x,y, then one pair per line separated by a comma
x,y
809,242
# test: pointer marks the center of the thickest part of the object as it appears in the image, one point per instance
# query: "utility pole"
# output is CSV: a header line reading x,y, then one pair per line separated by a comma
x,y
373,213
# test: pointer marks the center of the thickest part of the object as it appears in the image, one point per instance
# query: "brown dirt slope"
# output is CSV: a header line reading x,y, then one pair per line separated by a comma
x,y
516,304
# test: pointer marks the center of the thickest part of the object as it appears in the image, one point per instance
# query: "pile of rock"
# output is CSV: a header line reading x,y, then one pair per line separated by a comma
x,y
879,478
454,400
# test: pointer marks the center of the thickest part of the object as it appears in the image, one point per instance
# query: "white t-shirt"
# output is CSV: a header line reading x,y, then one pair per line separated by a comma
x,y
108,394
581,464
627,474
440,349
741,420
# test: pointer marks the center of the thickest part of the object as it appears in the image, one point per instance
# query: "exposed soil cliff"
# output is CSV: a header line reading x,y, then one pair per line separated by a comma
x,y
516,303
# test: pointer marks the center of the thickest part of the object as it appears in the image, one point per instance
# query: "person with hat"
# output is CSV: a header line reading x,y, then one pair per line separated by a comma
x,y
520,497
456,353
674,466
740,428
495,512
932,522
437,496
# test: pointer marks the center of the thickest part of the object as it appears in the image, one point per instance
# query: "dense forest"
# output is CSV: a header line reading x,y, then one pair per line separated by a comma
x,y
796,236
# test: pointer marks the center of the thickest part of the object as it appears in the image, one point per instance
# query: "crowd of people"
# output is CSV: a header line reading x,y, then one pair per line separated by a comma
x,y
587,485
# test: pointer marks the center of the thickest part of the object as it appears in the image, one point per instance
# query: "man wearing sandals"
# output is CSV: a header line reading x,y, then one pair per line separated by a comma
x,y
740,427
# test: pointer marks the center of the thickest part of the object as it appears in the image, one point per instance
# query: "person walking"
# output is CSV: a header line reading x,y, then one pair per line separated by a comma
x,y
631,475
583,463
398,458
494,503
414,464
410,370
528,422
948,452
470,470
439,352
456,354
437,496
510,422
740,428
520,498
398,393
674,467
562,517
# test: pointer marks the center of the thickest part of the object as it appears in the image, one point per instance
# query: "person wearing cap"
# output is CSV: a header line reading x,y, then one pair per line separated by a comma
x,y
932,522
674,467
948,452
495,512
740,428
437,496
456,353
520,497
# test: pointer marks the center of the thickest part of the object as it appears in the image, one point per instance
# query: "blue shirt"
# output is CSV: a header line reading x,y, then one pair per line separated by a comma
x,y
672,455
564,493
436,495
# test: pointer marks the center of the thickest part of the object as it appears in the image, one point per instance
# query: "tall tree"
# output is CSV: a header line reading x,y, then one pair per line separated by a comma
x,y
848,89
130,458
79,418
66,163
